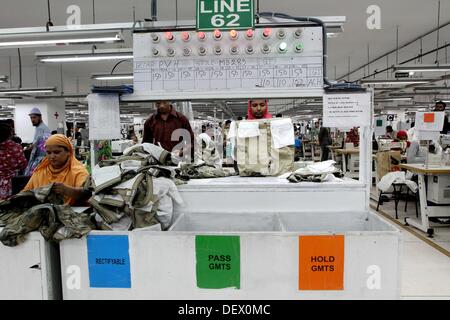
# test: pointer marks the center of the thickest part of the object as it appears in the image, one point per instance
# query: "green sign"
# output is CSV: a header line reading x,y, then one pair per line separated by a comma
x,y
224,14
218,262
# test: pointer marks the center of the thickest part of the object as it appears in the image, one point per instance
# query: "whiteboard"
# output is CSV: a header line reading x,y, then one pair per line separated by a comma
x,y
241,74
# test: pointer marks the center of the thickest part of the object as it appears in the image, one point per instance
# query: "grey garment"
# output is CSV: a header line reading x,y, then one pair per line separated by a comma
x,y
55,222
41,131
159,154
43,210
21,202
416,153
296,178
201,171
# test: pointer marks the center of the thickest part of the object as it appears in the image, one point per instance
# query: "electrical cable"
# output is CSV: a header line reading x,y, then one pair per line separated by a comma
x,y
20,68
115,66
49,22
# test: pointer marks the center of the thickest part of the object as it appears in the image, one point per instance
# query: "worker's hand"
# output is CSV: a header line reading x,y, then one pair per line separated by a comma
x,y
62,189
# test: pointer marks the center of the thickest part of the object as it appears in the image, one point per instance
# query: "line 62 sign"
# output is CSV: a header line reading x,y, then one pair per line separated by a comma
x,y
224,14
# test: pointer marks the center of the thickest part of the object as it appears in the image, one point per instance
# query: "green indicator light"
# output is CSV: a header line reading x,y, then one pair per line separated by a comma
x,y
299,47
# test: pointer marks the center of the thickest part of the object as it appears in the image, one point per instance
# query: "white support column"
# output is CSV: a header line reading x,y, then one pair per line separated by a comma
x,y
365,153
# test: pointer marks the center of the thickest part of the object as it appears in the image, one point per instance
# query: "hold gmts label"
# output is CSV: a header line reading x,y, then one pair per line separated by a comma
x,y
321,262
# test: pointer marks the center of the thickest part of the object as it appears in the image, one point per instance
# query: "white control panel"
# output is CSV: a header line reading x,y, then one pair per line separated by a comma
x,y
228,63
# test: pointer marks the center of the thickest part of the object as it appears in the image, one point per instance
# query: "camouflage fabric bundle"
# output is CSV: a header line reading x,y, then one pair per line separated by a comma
x,y
40,210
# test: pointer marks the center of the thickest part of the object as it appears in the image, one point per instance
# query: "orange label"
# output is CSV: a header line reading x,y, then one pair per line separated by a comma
x,y
321,263
428,117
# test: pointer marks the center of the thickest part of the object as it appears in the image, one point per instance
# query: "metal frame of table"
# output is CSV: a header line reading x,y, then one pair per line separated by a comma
x,y
344,152
426,211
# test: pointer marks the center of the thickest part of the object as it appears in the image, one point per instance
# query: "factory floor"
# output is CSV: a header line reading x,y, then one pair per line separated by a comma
x,y
425,262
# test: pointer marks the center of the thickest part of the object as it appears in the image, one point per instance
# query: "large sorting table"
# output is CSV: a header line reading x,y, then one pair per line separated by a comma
x,y
426,211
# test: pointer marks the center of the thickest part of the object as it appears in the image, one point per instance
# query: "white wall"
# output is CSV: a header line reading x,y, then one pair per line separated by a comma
x,y
24,128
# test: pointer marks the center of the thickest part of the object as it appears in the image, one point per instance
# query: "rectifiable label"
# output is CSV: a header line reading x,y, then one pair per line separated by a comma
x,y
109,261
218,262
321,262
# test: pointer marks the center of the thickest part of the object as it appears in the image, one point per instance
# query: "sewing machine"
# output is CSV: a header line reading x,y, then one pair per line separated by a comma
x,y
439,189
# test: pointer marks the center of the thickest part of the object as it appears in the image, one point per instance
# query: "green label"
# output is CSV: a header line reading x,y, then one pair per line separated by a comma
x,y
224,14
218,262
379,123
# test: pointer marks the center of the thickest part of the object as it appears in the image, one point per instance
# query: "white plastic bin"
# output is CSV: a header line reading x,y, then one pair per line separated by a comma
x,y
163,264
31,270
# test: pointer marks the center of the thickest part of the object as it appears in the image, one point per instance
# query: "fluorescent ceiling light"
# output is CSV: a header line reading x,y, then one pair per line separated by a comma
x,y
393,99
27,90
85,55
117,76
431,88
57,38
397,82
86,58
423,68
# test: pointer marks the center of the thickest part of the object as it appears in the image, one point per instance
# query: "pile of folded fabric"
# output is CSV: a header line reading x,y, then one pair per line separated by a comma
x,y
134,190
317,172
138,189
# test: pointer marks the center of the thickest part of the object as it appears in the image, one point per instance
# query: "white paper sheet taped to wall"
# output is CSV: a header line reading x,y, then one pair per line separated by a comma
x,y
104,116
347,110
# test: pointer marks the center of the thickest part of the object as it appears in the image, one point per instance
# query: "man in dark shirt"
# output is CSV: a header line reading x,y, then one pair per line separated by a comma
x,y
158,129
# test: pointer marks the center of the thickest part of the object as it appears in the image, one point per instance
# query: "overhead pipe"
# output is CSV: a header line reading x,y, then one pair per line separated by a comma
x,y
154,10
404,62
394,50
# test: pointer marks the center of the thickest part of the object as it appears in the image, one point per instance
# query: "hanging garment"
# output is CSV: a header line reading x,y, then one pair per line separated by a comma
x,y
259,153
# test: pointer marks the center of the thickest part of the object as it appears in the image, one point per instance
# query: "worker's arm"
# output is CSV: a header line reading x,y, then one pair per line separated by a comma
x,y
75,193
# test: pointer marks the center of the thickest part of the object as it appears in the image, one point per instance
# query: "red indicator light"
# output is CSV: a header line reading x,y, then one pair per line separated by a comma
x,y
186,36
249,33
217,34
267,32
169,36
201,35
